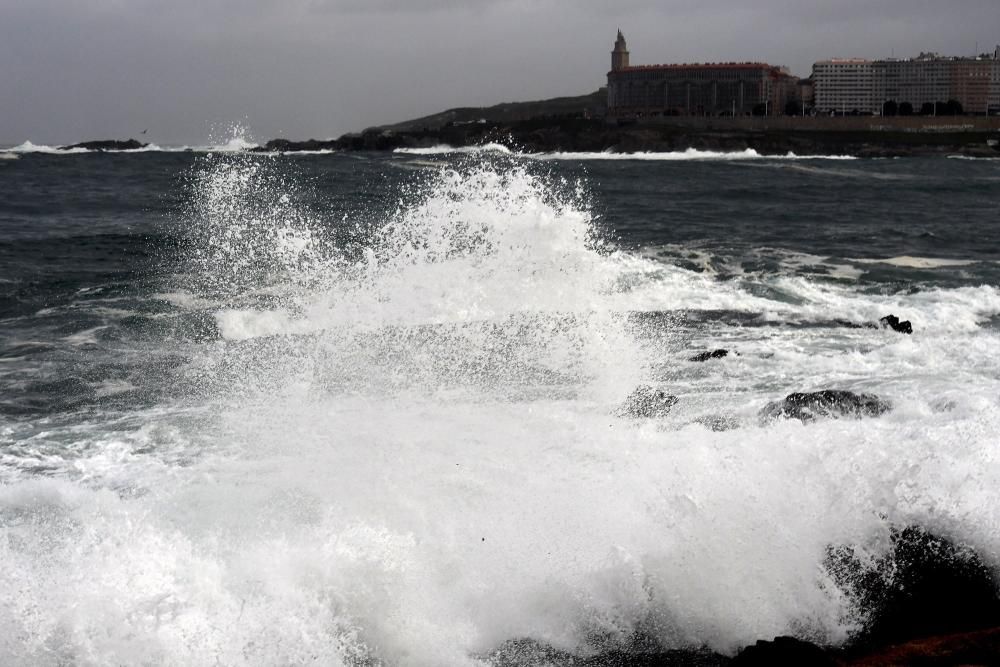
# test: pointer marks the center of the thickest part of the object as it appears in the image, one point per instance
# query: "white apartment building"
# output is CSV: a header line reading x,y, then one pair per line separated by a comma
x,y
845,85
850,85
994,99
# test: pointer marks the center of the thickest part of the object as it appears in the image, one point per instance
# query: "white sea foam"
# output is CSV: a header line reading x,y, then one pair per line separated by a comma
x,y
971,157
688,154
783,298
918,262
234,143
85,337
834,171
28,147
410,455
443,149
325,151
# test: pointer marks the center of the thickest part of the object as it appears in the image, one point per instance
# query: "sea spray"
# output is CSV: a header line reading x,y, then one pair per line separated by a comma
x,y
485,276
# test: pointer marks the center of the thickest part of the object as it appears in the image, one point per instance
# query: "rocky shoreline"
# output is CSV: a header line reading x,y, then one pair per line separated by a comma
x,y
584,135
576,134
928,601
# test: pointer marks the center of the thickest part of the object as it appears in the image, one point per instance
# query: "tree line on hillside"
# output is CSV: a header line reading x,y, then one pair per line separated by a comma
x,y
889,108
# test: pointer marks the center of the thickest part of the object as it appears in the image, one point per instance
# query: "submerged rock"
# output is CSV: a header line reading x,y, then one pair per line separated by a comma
x,y
713,354
892,322
647,402
827,403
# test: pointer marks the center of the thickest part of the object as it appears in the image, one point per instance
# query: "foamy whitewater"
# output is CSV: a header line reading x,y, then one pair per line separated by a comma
x,y
235,143
297,430
680,156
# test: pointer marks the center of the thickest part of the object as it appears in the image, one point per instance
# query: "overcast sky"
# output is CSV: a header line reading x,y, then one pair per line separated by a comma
x,y
187,69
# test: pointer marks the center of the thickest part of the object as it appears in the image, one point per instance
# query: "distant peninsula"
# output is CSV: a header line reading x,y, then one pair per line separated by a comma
x,y
578,124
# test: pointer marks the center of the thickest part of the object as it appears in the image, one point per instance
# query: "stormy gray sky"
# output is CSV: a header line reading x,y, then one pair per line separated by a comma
x,y
187,69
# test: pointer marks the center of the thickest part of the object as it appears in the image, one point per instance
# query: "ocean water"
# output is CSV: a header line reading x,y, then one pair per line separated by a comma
x,y
354,409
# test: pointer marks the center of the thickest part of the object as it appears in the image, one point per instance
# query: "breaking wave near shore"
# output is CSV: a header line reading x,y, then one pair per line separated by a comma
x,y
395,435
672,156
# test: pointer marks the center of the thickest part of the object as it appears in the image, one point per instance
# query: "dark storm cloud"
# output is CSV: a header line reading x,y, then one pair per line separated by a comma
x,y
74,69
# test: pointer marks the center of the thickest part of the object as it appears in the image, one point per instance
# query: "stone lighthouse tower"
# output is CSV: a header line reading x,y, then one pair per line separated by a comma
x,y
619,57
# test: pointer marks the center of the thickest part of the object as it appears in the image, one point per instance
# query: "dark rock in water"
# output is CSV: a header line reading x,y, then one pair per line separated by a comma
x,y
647,401
892,322
925,585
887,322
782,652
826,403
926,601
714,354
107,145
286,146
675,658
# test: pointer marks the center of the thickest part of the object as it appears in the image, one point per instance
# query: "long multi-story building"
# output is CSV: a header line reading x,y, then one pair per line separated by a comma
x,y
994,97
844,85
866,86
695,89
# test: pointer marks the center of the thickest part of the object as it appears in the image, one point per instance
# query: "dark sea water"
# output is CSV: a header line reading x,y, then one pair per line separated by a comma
x,y
364,409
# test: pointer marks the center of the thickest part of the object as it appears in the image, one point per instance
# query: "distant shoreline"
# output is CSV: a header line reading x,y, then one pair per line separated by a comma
x,y
765,136
863,137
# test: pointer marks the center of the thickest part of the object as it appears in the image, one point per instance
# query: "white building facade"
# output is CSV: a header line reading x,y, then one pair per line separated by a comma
x,y
852,85
845,86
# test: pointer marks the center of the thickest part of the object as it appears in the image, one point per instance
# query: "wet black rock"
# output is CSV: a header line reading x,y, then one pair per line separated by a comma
x,y
676,658
286,146
647,402
892,322
713,354
827,403
923,585
107,145
782,652
887,322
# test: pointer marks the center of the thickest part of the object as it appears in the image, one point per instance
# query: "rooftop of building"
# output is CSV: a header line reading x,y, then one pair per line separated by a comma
x,y
922,58
632,68
844,61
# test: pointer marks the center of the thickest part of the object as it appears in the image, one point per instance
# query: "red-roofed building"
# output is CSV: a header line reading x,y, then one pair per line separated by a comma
x,y
700,89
